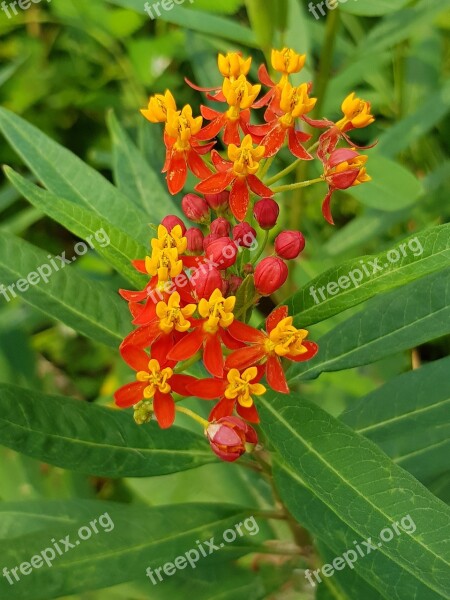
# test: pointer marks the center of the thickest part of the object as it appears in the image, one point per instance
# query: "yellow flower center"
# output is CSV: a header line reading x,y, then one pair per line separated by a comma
x,y
156,377
357,163
287,61
286,339
245,158
232,65
164,263
217,310
295,102
171,316
356,112
166,240
241,389
158,106
182,126
239,94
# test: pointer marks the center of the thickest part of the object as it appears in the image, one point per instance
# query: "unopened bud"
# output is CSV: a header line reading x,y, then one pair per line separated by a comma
x,y
194,238
172,221
244,235
223,252
220,227
231,437
195,208
218,202
205,280
289,244
266,213
270,274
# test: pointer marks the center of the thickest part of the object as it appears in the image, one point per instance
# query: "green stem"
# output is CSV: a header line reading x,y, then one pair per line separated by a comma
x,y
188,363
296,186
262,248
186,411
266,167
290,168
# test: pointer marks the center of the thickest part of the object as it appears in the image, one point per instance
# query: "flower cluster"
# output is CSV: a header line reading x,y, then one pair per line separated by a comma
x,y
204,280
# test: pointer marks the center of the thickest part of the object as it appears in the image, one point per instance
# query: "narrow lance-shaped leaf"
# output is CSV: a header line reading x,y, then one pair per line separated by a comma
x,y
94,440
117,247
403,319
87,306
358,280
67,176
344,488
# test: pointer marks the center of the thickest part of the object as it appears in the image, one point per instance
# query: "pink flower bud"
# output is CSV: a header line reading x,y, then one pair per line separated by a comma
x,y
223,252
266,213
221,227
248,269
289,244
244,235
171,221
270,274
218,202
195,208
231,437
194,238
210,238
205,280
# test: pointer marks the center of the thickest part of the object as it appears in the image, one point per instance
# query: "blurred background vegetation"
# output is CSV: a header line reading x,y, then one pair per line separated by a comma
x,y
64,65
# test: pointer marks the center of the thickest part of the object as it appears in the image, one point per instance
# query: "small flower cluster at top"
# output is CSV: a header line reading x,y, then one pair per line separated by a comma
x,y
204,281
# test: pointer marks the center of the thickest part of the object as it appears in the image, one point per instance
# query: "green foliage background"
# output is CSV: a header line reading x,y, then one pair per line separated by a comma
x,y
364,438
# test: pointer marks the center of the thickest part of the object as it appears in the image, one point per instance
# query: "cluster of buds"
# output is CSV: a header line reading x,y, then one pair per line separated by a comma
x,y
206,276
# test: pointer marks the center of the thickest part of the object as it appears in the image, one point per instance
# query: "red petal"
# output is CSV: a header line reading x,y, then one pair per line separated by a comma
x,y
274,140
139,265
216,183
257,186
265,99
239,198
229,341
343,180
220,163
295,146
320,124
130,394
326,208
131,296
147,314
212,356
209,113
312,351
142,337
176,173
275,375
188,346
231,133
264,76
197,166
223,409
277,315
212,130
164,408
180,384
199,89
208,389
248,413
135,357
245,333
244,358
341,155
161,348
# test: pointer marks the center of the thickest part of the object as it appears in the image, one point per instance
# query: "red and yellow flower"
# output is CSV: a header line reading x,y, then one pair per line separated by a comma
x,y
239,172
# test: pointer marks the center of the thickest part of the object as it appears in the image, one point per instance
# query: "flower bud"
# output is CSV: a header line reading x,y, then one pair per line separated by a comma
x,y
223,252
218,202
270,274
221,227
205,280
234,283
209,238
244,235
194,238
289,244
195,208
248,269
231,437
171,221
266,213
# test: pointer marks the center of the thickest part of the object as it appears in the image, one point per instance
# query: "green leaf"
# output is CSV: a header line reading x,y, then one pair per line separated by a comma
x,y
67,176
370,8
245,298
343,488
408,418
203,22
129,541
404,133
87,306
120,250
94,440
135,178
435,243
392,187
262,15
403,319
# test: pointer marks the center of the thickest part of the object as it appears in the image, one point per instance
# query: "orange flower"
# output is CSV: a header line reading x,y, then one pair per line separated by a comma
x,y
239,172
154,381
281,340
236,390
183,149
